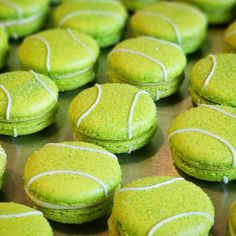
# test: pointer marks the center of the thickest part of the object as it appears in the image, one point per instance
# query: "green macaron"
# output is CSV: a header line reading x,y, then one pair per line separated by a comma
x,y
28,102
66,56
213,80
203,143
231,226
134,5
20,220
104,20
175,22
3,163
161,206
151,64
4,46
118,117
72,182
230,38
22,17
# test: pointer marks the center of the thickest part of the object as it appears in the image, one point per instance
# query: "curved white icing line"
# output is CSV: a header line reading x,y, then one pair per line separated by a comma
x,y
130,149
225,180
81,43
158,94
44,85
14,6
150,187
19,215
82,149
46,44
9,101
168,20
145,56
211,72
230,146
89,12
71,172
219,110
131,113
84,115
230,33
15,132
181,215
3,153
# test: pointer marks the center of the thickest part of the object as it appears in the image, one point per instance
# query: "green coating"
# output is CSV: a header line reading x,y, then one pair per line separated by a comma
x,y
135,212
68,190
221,86
201,155
32,106
230,38
231,226
4,46
105,29
144,73
134,5
3,163
35,225
107,124
190,22
67,57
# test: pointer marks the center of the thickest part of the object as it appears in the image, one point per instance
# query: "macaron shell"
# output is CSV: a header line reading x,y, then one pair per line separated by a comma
x,y
3,163
231,226
4,46
137,4
230,37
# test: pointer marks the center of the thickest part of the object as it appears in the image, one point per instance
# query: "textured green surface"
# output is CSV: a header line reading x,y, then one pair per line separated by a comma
x,y
4,46
190,22
136,212
230,37
34,225
133,5
231,227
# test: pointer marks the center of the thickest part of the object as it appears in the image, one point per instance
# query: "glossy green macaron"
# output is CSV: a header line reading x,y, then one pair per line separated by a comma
x,y
203,142
151,64
175,22
161,206
104,20
213,80
134,5
3,163
4,46
230,38
28,102
231,226
66,56
72,182
22,17
20,220
118,117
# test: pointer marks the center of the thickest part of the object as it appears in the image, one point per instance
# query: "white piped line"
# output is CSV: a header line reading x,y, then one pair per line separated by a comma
x,y
20,215
186,214
211,72
158,95
145,56
14,6
90,12
44,85
82,149
231,148
3,153
84,115
225,180
15,132
9,101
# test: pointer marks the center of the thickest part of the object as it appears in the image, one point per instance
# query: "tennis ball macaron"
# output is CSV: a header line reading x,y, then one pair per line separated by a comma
x,y
151,64
3,163
28,102
66,56
231,226
179,23
230,38
118,117
203,142
134,5
22,17
161,205
20,220
4,46
213,80
72,182
104,20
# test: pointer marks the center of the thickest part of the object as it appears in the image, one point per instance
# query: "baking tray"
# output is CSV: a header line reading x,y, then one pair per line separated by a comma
x,y
153,159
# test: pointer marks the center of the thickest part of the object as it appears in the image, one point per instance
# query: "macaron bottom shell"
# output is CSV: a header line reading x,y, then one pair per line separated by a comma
x,y
108,40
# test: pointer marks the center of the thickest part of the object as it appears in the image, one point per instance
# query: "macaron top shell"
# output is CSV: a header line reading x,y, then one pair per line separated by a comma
x,y
230,35
112,118
3,160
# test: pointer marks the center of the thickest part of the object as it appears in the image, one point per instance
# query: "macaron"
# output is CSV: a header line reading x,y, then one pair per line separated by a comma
x,y
3,163
134,5
213,80
72,182
179,23
203,143
28,102
4,46
104,20
230,38
231,226
161,205
118,117
66,56
20,220
22,17
151,64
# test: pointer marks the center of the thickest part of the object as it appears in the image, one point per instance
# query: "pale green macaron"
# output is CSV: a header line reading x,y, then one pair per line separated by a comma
x,y
66,56
231,226
134,5
3,163
104,20
72,182
23,17
4,46
175,22
118,117
203,142
20,220
230,38
161,206
151,64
